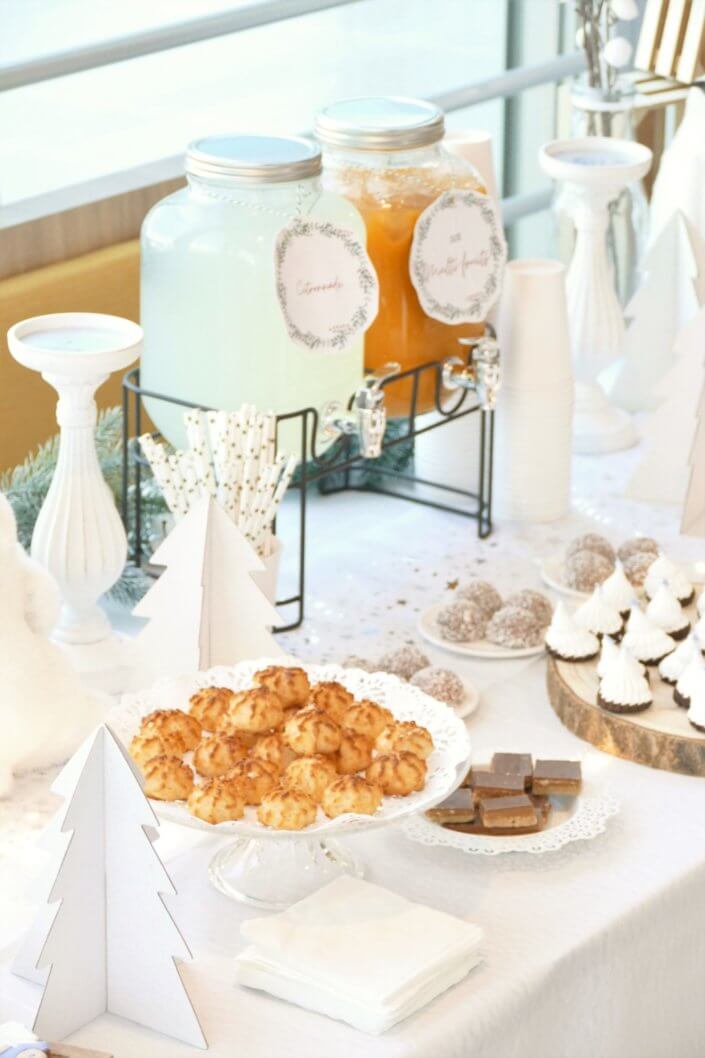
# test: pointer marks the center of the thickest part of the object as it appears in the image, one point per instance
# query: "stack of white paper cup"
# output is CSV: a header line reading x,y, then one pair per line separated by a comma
x,y
533,427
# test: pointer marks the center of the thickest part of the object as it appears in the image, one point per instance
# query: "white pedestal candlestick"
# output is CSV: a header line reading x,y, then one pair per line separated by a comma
x,y
79,536
596,169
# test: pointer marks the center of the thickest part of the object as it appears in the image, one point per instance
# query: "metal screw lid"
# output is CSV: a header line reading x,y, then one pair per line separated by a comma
x,y
380,123
253,159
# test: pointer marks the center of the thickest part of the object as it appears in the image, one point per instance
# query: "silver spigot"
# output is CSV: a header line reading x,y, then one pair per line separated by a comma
x,y
482,373
367,417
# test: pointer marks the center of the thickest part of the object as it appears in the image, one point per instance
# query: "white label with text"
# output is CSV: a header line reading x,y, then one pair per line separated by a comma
x,y
457,257
326,284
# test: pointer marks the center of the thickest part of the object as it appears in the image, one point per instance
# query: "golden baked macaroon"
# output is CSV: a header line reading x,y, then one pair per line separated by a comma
x,y
311,774
172,722
367,718
355,752
398,774
312,731
333,698
210,704
167,779
407,736
144,747
227,727
287,808
273,749
217,801
255,778
290,685
255,711
216,754
351,793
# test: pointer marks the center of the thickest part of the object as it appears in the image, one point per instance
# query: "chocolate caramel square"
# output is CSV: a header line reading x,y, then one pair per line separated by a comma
x,y
558,777
490,783
508,812
514,764
459,807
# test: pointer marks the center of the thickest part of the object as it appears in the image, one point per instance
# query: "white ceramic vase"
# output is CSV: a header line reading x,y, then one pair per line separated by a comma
x,y
78,537
533,434
595,169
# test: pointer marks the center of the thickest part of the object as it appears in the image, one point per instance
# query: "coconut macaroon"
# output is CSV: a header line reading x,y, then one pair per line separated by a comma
x,y
351,794
405,736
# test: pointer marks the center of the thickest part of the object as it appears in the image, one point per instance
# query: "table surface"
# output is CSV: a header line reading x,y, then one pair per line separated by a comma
x,y
593,951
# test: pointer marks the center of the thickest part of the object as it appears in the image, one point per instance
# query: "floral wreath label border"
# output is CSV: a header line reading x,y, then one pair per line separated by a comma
x,y
366,306
481,301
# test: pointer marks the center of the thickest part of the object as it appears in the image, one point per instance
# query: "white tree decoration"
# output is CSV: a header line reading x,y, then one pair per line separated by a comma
x,y
693,523
662,475
206,608
111,942
667,298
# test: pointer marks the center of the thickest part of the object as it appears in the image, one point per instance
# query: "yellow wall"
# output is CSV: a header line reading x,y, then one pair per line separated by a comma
x,y
103,281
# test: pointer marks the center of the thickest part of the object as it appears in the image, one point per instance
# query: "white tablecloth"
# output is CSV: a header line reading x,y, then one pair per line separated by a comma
x,y
595,951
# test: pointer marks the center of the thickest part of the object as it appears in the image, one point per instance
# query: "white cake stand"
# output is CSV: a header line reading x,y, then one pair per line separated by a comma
x,y
595,170
271,869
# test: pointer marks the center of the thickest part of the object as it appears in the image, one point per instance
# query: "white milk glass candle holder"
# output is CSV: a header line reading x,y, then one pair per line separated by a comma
x,y
79,536
215,333
596,169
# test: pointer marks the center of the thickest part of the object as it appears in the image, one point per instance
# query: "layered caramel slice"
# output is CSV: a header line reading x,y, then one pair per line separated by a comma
x,y
458,808
559,777
508,813
514,764
491,783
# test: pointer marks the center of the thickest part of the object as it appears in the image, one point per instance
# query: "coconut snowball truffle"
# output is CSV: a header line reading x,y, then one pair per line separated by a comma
x,y
515,628
404,662
441,684
461,622
599,545
636,546
535,601
584,570
353,661
637,566
483,594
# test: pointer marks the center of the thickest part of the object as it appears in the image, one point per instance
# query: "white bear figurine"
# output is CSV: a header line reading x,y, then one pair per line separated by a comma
x,y
44,711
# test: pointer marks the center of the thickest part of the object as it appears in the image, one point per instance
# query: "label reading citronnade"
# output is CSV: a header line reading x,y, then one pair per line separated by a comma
x,y
326,284
457,257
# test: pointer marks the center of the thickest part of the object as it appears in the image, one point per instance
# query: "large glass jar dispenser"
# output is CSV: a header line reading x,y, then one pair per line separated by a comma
x,y
214,330
385,154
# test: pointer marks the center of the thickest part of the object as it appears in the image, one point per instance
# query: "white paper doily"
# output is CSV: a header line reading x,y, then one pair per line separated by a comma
x,y
450,737
480,648
577,819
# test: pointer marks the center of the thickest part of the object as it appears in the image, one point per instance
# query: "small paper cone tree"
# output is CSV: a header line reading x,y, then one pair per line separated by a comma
x,y
693,523
662,475
206,609
112,943
665,301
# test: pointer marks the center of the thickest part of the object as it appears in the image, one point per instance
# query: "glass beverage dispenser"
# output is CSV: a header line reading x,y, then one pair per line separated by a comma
x,y
214,330
386,156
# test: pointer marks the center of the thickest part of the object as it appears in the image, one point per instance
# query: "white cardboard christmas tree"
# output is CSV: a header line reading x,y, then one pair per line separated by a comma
x,y
670,295
662,475
693,522
109,943
206,608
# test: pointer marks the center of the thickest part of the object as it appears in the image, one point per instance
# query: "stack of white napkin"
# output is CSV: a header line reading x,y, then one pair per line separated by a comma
x,y
358,953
